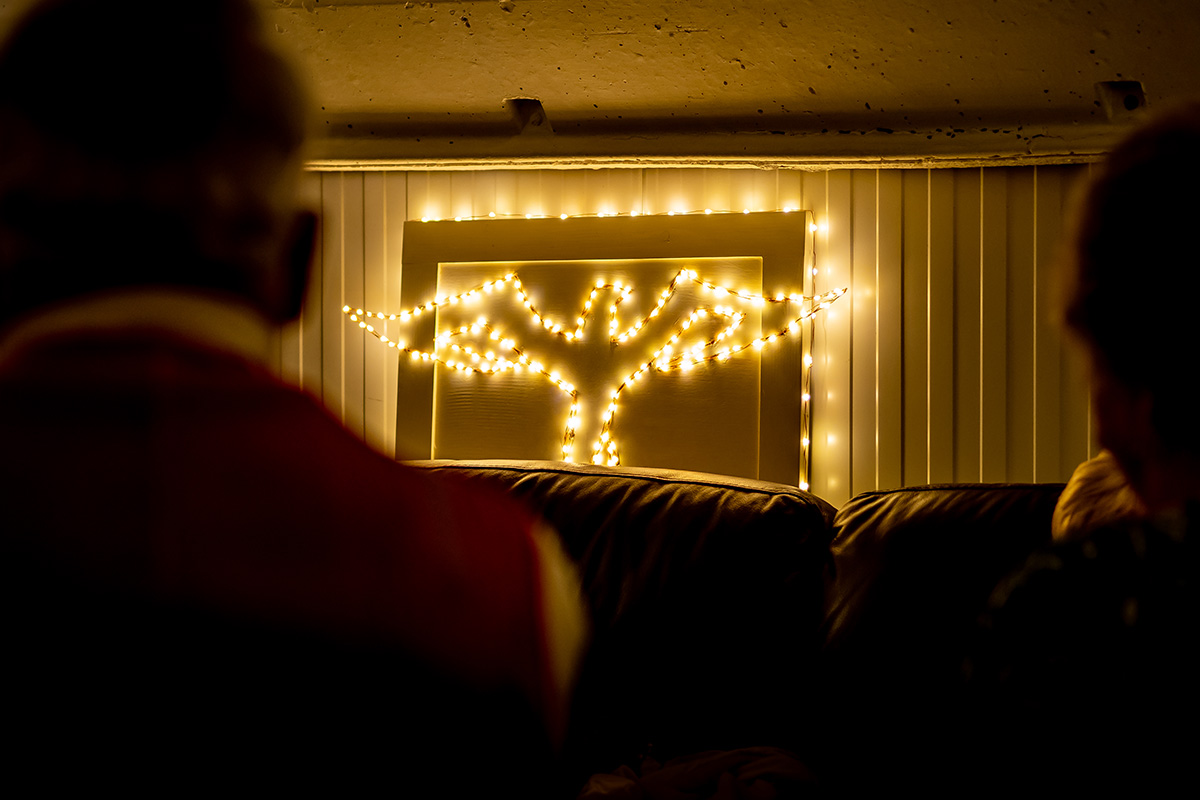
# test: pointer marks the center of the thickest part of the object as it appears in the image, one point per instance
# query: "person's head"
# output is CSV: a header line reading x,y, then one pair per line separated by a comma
x,y
1133,280
149,143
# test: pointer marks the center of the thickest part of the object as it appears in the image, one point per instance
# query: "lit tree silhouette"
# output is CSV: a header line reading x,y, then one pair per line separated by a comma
x,y
704,334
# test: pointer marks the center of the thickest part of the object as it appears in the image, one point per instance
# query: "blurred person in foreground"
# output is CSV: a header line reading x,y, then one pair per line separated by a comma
x,y
1086,674
206,577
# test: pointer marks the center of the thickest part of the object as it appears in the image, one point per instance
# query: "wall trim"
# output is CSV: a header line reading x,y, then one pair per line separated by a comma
x,y
806,164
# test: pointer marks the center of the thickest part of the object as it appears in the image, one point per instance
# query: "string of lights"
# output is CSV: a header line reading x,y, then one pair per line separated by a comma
x,y
599,214
466,358
605,449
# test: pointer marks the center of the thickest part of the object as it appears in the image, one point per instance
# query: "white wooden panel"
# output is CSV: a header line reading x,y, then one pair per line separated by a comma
x,y
1079,434
434,191
968,458
1061,423
506,203
943,410
759,189
333,331
831,376
795,189
529,194
374,295
665,191
718,189
993,324
864,358
462,194
571,192
353,343
424,198
396,191
1022,314
889,329
554,188
312,378
483,192
915,325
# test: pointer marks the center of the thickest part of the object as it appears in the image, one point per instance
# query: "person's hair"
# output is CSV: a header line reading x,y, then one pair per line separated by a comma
x,y
1134,273
141,142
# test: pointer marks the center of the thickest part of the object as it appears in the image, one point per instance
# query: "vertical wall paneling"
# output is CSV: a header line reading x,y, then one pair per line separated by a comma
x,y
943,364
436,191
1062,431
462,193
396,189
376,359
420,196
915,323
757,189
968,336
553,187
332,264
791,188
993,323
1022,314
483,192
529,196
353,274
311,337
506,193
718,188
292,336
1082,442
832,439
864,355
691,189
889,328
941,318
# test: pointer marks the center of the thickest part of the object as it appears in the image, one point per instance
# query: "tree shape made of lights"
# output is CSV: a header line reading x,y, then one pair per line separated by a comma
x,y
481,347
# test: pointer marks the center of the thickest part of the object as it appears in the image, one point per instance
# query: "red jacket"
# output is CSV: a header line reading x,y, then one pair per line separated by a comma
x,y
144,465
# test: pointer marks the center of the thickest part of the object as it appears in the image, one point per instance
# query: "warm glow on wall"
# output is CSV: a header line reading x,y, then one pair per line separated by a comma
x,y
494,351
681,334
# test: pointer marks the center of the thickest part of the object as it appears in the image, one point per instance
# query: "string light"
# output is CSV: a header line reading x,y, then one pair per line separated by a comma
x,y
674,212
667,358
671,356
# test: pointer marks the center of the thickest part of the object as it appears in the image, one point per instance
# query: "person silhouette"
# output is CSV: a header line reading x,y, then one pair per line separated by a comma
x,y
1085,663
207,578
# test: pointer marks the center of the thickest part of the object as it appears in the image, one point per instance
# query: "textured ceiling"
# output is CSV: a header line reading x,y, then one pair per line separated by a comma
x,y
792,79
789,80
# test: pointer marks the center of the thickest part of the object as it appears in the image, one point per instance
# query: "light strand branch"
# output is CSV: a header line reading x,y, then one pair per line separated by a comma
x,y
669,357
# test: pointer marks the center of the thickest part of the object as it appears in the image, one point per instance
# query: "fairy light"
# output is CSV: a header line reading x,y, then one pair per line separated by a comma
x,y
636,212
672,356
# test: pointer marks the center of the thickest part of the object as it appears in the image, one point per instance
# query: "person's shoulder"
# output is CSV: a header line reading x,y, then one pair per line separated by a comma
x,y
1101,611
1086,653
1118,556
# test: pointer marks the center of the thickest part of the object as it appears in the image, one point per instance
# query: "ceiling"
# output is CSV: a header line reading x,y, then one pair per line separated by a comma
x,y
799,82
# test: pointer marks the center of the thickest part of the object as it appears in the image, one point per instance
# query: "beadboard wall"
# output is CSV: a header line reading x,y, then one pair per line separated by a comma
x,y
943,364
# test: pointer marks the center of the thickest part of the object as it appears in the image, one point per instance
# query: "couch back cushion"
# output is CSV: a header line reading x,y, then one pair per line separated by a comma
x,y
912,571
704,595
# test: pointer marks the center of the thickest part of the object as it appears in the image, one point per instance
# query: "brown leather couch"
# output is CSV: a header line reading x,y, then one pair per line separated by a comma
x,y
705,598
911,572
732,613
